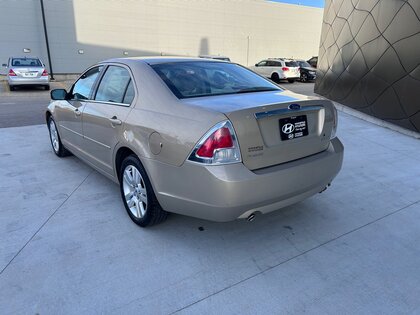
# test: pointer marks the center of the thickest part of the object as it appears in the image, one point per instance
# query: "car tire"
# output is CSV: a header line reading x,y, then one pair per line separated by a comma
x,y
291,80
46,87
303,77
12,88
275,77
55,139
137,194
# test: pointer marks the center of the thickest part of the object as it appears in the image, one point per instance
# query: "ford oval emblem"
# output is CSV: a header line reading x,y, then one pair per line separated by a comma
x,y
294,106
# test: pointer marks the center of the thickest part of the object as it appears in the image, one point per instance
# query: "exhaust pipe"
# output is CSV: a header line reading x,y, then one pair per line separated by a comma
x,y
251,217
325,188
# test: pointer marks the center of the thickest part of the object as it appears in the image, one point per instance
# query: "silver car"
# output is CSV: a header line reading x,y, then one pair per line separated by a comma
x,y
202,138
24,71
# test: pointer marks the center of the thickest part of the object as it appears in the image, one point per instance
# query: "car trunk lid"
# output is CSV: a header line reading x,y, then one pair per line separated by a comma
x,y
258,119
28,72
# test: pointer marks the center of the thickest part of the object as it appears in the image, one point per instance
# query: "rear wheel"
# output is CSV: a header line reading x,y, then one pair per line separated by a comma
x,y
46,87
304,77
12,88
275,77
138,195
291,80
56,144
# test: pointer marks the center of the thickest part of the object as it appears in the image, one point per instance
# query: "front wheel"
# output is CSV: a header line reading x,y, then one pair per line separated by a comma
x,y
56,144
138,195
304,77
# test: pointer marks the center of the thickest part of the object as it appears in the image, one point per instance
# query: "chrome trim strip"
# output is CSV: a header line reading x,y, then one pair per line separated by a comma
x,y
79,134
97,142
284,111
108,103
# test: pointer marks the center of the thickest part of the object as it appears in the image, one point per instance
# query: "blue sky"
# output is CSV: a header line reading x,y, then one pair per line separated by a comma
x,y
311,3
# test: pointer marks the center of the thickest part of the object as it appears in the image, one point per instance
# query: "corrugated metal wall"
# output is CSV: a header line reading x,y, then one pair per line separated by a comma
x,y
244,30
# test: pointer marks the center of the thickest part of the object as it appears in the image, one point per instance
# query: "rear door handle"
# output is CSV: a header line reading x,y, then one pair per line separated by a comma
x,y
115,121
77,112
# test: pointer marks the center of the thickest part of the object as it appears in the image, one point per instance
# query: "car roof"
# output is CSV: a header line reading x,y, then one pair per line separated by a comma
x,y
24,57
157,60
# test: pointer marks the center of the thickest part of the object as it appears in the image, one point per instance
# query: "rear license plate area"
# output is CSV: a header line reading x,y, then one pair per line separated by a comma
x,y
293,127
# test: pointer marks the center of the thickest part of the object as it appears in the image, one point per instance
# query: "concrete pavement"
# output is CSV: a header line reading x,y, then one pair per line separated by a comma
x,y
67,245
25,106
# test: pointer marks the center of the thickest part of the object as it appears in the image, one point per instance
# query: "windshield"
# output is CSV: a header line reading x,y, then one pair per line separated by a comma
x,y
304,64
26,62
206,78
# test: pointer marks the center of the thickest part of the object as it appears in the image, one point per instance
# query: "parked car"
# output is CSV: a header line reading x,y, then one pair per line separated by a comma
x,y
278,69
313,62
24,71
203,138
307,72
216,57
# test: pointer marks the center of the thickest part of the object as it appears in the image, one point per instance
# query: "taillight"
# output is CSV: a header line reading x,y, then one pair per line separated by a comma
x,y
218,146
12,73
285,69
44,73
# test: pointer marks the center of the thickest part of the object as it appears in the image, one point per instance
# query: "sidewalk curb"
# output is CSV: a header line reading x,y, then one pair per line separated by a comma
x,y
376,121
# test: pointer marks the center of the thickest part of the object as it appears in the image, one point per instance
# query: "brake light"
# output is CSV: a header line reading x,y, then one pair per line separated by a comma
x,y
285,69
218,146
44,73
12,73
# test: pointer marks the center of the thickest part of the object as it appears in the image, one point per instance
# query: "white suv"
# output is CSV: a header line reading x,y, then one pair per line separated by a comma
x,y
278,69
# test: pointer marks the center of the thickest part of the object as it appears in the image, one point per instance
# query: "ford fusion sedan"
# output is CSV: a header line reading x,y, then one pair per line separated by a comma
x,y
26,71
202,138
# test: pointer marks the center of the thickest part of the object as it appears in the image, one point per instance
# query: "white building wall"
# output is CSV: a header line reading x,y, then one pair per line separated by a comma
x,y
245,30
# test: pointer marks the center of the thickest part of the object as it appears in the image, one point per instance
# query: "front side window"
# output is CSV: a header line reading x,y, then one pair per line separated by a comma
x,y
207,78
262,64
26,62
114,86
82,89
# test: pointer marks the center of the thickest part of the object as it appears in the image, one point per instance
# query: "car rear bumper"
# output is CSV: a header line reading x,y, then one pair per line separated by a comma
x,y
227,192
13,81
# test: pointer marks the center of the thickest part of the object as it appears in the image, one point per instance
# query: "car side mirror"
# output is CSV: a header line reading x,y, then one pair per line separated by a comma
x,y
4,65
59,94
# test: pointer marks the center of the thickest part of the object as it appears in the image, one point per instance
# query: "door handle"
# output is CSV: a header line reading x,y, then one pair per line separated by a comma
x,y
77,112
115,121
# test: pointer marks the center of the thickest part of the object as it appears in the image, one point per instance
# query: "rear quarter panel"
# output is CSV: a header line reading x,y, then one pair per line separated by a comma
x,y
160,126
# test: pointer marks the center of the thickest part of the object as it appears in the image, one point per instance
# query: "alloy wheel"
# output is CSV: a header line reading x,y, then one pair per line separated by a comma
x,y
135,191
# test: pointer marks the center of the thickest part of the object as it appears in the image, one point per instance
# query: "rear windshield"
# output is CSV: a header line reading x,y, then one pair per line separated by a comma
x,y
291,64
206,78
26,62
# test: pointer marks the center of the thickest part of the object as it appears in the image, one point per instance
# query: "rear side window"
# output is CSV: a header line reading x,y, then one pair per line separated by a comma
x,y
115,86
82,89
26,62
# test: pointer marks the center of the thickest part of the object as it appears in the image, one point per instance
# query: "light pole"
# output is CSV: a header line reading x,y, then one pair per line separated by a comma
x,y
46,40
247,50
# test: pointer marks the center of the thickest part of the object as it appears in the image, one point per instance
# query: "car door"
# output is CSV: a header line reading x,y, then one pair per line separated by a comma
x,y
69,113
262,68
104,116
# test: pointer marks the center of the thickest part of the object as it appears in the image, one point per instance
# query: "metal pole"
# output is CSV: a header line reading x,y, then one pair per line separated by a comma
x,y
247,51
46,39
